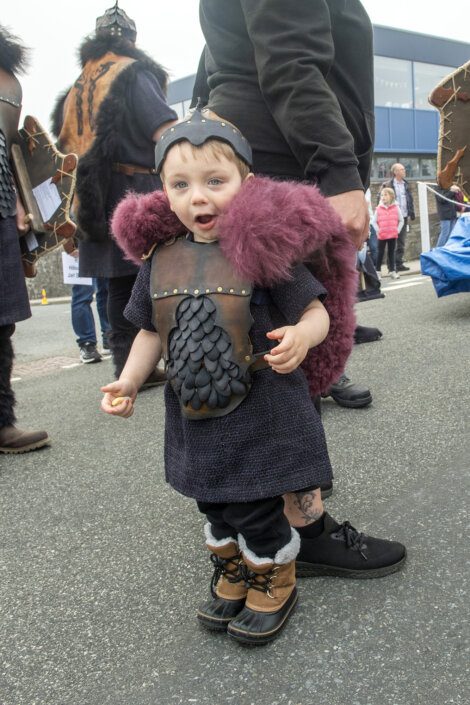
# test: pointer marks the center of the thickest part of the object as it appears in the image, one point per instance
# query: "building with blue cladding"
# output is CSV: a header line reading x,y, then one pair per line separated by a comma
x,y
407,66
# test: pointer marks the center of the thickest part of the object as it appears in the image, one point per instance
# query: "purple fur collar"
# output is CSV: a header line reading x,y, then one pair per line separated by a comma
x,y
269,226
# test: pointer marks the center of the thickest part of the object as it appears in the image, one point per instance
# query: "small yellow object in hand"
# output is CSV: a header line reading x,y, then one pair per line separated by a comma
x,y
118,400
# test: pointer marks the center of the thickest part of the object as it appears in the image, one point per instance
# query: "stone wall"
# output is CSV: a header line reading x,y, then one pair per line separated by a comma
x,y
49,277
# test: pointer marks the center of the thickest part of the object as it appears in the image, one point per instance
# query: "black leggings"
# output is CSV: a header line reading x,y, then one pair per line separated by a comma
x,y
263,524
391,245
7,397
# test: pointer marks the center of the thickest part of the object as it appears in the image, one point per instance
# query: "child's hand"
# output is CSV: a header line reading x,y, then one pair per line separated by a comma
x,y
291,351
119,398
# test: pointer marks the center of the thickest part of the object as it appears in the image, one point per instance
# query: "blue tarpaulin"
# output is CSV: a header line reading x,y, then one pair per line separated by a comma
x,y
449,266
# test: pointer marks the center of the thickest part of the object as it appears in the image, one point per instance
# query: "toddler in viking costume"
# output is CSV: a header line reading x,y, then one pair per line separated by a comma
x,y
227,296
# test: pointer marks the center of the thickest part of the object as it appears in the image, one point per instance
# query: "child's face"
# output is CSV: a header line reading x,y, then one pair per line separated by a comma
x,y
385,197
199,188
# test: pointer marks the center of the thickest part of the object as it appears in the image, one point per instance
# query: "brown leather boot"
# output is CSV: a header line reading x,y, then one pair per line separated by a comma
x,y
271,597
14,440
227,587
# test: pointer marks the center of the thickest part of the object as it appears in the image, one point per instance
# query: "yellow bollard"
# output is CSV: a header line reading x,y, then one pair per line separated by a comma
x,y
44,300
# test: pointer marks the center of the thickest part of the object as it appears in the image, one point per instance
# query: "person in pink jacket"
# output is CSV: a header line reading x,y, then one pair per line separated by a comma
x,y
387,221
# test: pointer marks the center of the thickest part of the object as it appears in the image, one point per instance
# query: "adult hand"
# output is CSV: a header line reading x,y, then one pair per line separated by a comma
x,y
22,218
353,211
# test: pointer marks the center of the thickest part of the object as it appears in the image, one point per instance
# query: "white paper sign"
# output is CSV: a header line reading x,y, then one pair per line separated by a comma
x,y
70,267
47,197
31,241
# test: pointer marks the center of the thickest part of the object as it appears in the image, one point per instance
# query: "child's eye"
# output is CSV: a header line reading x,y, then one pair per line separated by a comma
x,y
215,181
180,184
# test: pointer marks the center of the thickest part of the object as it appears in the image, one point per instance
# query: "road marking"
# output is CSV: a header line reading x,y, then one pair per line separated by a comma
x,y
15,379
69,367
393,287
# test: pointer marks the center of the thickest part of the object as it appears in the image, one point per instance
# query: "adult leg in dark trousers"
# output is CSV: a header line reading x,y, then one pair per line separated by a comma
x,y
400,256
12,439
123,331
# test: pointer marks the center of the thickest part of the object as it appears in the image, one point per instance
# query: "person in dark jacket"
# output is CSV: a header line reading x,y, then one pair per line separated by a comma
x,y
447,211
305,104
111,117
299,86
14,302
404,199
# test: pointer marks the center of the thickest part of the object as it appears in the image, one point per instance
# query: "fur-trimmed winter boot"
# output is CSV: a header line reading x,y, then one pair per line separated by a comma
x,y
228,587
271,598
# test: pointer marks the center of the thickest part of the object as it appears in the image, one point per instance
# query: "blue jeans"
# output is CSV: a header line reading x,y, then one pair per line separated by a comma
x,y
446,229
83,322
373,245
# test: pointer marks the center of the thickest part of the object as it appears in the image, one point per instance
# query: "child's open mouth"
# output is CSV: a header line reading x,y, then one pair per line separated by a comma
x,y
206,222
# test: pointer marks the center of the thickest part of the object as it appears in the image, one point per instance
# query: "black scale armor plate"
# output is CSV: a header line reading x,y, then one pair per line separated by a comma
x,y
202,313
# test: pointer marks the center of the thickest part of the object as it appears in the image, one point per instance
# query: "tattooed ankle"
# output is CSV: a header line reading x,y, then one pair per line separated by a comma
x,y
307,504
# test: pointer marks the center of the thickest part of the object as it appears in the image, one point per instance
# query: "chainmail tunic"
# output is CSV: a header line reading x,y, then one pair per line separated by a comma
x,y
274,441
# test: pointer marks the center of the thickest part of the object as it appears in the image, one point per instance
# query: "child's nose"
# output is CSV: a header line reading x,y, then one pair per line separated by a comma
x,y
198,196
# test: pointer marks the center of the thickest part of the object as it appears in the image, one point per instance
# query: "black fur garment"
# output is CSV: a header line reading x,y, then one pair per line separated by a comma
x,y
13,55
94,169
7,397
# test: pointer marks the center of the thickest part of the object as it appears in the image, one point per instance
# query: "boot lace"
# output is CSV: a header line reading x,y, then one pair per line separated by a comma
x,y
353,538
221,567
261,582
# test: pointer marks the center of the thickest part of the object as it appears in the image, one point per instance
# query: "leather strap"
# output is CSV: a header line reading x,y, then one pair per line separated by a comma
x,y
131,169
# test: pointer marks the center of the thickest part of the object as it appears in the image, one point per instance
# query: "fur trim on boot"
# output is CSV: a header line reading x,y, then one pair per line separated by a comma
x,y
285,554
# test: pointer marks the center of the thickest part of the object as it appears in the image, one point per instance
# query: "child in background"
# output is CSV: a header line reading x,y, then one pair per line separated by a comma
x,y
387,221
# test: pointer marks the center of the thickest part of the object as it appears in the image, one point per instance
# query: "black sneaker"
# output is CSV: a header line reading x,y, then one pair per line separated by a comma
x,y
366,334
346,393
342,551
403,268
89,353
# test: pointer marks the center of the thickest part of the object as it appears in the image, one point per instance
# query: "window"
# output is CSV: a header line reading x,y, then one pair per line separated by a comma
x,y
393,83
416,167
426,78
428,168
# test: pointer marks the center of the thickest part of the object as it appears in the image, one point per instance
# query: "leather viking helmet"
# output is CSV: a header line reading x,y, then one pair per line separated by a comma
x,y
197,129
116,23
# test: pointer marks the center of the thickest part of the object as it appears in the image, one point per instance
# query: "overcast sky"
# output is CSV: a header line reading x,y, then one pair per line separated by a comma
x,y
169,31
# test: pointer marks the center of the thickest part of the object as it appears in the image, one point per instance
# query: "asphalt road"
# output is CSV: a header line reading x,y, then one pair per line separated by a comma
x,y
103,565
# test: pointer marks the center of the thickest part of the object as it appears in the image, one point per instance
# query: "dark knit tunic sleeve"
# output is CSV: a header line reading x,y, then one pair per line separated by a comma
x,y
139,307
293,296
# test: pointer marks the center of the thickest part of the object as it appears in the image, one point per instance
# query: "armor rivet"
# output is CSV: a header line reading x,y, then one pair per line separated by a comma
x,y
203,120
223,124
231,291
247,358
175,291
196,291
185,291
243,291
165,293
208,291
155,296
219,288
172,129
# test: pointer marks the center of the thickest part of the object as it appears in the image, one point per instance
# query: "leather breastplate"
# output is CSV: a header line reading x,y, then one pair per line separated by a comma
x,y
84,100
201,311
